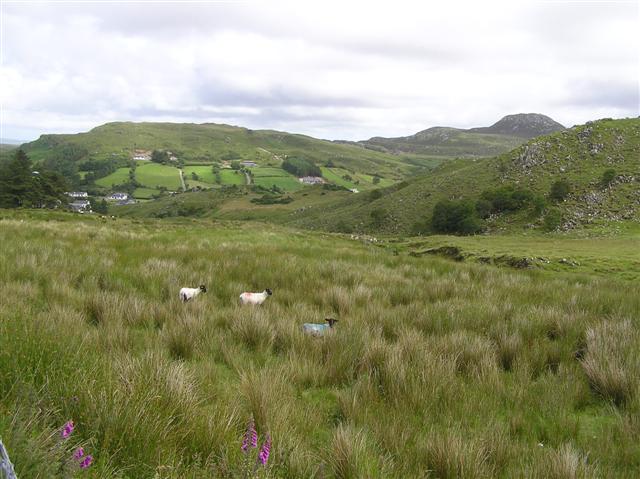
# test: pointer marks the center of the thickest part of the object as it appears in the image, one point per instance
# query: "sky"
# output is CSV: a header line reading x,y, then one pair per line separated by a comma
x,y
330,69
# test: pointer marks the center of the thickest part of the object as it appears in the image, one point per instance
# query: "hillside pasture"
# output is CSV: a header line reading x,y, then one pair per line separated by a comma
x,y
232,177
118,177
364,181
436,369
205,173
268,177
153,175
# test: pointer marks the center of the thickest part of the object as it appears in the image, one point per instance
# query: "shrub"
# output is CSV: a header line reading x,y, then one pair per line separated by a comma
x,y
508,198
458,217
375,195
607,177
378,216
483,208
560,190
552,220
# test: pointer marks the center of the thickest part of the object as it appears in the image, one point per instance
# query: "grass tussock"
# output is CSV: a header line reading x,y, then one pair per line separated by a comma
x,y
611,362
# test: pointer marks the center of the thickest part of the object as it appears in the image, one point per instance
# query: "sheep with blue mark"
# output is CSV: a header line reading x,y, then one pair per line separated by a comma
x,y
315,329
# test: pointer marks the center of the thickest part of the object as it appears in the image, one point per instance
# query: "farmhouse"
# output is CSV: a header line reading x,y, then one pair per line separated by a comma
x,y
142,155
77,194
118,197
80,206
312,180
249,164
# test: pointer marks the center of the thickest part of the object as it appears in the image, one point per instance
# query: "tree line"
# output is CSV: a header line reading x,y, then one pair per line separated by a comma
x,y
22,186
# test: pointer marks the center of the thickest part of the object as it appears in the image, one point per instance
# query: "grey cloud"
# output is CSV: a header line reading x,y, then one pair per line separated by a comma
x,y
605,94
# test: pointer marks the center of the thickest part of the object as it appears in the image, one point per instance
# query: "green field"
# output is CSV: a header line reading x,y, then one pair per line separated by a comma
x,y
145,193
463,370
266,171
118,177
153,175
205,173
364,181
232,177
269,177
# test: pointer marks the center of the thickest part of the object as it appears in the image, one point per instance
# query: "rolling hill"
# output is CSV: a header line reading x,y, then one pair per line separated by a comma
x,y
579,155
206,143
445,142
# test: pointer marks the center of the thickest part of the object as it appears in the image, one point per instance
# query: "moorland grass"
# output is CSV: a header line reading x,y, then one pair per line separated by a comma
x,y
436,369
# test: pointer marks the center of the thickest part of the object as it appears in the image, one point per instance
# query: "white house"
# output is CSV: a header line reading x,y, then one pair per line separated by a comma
x,y
311,180
80,206
118,197
77,194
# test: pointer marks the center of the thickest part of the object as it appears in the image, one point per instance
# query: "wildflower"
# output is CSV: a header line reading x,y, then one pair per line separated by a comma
x,y
250,437
263,456
67,430
77,455
86,462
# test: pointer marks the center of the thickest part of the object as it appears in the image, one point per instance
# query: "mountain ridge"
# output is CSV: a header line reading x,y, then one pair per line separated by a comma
x,y
443,141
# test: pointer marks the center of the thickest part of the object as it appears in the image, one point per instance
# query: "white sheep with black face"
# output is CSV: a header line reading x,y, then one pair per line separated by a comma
x,y
255,298
188,293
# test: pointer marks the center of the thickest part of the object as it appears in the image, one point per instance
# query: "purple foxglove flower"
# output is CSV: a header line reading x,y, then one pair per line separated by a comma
x,y
77,455
250,437
263,455
86,462
67,430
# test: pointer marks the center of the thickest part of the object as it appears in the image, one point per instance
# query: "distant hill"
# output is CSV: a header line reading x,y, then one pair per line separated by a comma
x,y
444,142
579,155
524,125
205,143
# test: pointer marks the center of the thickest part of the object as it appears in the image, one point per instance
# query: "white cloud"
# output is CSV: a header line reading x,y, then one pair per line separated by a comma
x,y
331,69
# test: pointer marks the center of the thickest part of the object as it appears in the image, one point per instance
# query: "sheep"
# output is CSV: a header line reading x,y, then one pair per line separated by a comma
x,y
187,293
315,329
255,298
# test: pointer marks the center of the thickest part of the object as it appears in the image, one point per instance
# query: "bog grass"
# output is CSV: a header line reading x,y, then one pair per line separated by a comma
x,y
436,369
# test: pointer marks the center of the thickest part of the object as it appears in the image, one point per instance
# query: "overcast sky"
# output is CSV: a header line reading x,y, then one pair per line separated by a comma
x,y
336,70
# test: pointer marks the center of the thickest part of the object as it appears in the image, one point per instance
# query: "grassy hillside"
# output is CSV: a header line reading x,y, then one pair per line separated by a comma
x,y
580,156
435,369
211,142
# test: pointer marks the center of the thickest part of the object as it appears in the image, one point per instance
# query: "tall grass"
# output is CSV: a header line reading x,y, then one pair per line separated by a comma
x,y
435,369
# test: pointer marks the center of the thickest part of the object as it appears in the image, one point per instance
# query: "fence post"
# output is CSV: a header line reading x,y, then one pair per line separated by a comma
x,y
6,468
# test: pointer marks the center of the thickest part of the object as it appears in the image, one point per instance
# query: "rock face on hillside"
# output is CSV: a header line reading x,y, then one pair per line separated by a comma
x,y
524,125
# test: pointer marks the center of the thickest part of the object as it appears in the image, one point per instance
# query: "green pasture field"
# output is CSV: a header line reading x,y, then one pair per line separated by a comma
x,y
118,177
153,175
205,173
145,193
231,177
